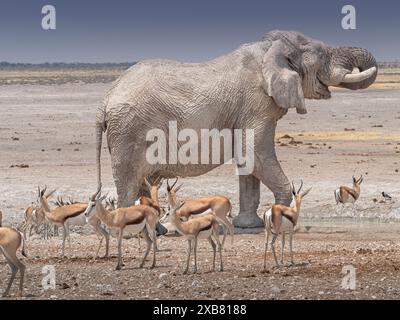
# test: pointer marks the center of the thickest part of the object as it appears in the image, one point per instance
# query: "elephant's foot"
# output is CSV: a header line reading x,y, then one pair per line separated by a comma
x,y
249,187
248,220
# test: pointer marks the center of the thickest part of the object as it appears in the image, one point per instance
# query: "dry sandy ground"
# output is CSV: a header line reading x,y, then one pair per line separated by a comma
x,y
50,129
317,274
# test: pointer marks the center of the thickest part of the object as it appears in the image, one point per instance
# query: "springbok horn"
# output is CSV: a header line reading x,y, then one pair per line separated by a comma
x,y
93,197
293,188
301,186
358,77
175,183
158,181
43,191
147,183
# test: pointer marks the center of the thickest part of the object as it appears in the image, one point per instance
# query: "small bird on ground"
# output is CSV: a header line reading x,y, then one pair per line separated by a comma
x,y
386,196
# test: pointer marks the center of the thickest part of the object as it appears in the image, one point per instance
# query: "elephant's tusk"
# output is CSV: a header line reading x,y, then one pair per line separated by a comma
x,y
358,77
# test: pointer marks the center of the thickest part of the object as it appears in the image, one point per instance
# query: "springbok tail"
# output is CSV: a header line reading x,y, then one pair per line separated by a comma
x,y
23,251
337,196
231,227
267,222
230,210
227,226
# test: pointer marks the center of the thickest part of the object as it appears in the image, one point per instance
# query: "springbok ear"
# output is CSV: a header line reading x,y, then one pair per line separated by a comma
x,y
180,205
306,192
49,194
281,82
178,187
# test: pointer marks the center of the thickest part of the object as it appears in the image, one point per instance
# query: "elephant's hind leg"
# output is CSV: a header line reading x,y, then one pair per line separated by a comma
x,y
129,170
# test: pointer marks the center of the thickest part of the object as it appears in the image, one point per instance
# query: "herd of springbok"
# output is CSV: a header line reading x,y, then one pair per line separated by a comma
x,y
193,219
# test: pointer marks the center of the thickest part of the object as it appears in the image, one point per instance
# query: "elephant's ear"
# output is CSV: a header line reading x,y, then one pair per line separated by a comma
x,y
281,82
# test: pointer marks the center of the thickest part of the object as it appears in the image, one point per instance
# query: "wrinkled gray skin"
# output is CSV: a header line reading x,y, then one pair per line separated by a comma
x,y
251,87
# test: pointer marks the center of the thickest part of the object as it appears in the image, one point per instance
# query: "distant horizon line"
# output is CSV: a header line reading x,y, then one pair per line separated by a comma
x,y
7,63
111,64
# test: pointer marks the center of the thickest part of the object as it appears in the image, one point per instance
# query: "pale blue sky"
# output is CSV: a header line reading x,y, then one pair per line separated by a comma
x,y
188,30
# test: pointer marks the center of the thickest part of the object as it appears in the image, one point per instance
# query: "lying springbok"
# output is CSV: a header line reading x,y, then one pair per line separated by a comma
x,y
281,219
72,215
205,226
134,219
345,194
219,206
10,241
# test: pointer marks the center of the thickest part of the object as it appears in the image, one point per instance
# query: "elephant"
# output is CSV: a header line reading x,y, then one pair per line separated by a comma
x,y
250,87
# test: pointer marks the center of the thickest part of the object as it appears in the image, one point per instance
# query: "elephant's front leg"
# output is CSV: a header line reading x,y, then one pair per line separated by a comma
x,y
270,172
249,189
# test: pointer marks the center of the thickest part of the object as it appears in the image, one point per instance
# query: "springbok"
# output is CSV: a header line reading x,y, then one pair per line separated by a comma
x,y
72,215
219,206
153,202
345,194
10,241
281,219
204,226
134,219
35,218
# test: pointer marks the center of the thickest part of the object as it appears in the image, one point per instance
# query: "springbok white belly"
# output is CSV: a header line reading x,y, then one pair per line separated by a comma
x,y
77,221
135,228
202,234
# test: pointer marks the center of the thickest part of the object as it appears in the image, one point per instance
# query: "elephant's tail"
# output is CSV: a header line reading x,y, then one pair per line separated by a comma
x,y
100,128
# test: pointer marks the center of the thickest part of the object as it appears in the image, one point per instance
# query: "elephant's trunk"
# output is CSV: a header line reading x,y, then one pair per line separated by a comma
x,y
361,59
